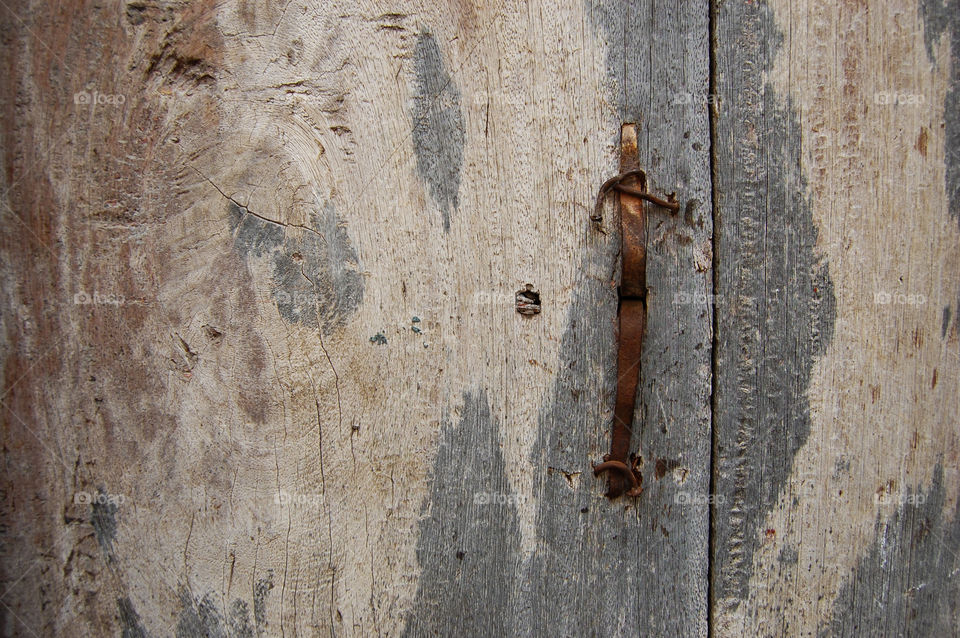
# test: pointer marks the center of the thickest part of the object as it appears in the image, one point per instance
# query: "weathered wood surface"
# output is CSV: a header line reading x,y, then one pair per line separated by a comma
x,y
196,260
197,256
836,401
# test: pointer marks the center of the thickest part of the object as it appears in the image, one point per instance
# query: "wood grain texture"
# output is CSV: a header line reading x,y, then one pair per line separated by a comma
x,y
660,78
196,262
220,416
837,274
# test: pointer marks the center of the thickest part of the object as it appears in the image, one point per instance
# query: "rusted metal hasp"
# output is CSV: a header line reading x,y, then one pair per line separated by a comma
x,y
631,184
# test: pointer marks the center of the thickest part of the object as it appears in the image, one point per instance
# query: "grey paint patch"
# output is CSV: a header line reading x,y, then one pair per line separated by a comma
x,y
943,17
438,128
260,593
469,534
202,617
130,620
906,584
199,618
625,63
252,235
239,620
103,518
841,466
775,302
315,276
585,576
789,555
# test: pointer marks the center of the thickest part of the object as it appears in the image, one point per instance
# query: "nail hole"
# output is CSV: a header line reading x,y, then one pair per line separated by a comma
x,y
528,301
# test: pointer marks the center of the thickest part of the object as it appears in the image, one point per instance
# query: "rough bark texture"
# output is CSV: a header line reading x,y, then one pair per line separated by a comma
x,y
263,373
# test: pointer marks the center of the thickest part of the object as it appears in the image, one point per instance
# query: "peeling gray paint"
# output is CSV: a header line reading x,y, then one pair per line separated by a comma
x,y
129,620
202,618
940,18
625,64
199,618
103,518
316,279
260,594
906,584
650,563
469,533
252,235
438,127
584,578
789,555
775,302
239,619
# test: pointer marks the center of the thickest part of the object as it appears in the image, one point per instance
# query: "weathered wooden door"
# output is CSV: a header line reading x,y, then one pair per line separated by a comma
x,y
263,370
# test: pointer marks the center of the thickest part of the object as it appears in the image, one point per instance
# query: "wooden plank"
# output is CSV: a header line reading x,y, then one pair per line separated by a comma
x,y
592,567
657,66
837,370
210,211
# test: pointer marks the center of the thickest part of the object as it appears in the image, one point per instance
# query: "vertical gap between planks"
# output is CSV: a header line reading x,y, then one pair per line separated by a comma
x,y
712,105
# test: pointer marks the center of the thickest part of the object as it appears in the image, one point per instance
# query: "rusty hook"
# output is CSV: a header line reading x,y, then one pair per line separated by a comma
x,y
615,183
631,183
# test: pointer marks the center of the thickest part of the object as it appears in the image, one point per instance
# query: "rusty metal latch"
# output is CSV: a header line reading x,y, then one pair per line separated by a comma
x,y
631,184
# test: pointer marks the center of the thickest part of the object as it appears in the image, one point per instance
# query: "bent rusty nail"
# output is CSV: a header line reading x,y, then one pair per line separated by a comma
x,y
605,189
615,183
632,475
669,203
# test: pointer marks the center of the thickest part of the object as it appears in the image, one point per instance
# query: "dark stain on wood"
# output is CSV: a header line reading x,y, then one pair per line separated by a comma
x,y
315,275
941,18
85,231
130,624
260,594
189,50
229,308
470,530
921,144
103,518
775,303
662,466
199,617
438,126
205,617
905,584
788,555
253,235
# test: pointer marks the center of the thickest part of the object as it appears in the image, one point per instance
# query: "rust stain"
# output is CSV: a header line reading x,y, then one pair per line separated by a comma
x,y
663,466
115,176
921,144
